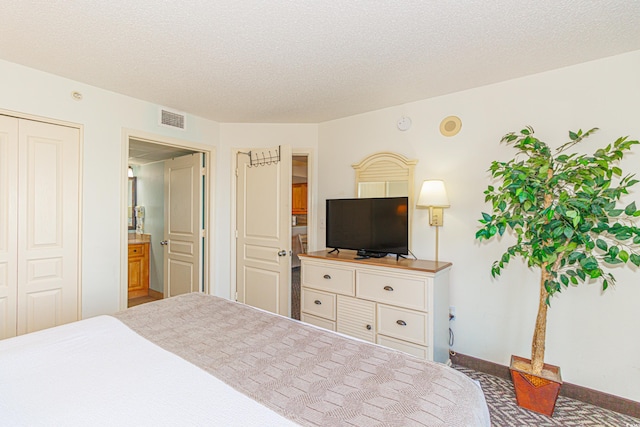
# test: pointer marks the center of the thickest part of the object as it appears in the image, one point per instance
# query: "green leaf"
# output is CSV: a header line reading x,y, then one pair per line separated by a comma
x,y
623,235
601,244
594,274
589,263
630,209
486,217
623,255
568,232
635,259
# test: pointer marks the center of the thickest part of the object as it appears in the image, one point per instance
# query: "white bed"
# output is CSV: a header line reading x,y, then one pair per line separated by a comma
x,y
252,369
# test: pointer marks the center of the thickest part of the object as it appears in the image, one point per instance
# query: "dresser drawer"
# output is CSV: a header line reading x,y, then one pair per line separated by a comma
x,y
137,250
419,351
318,303
404,324
400,290
329,278
318,321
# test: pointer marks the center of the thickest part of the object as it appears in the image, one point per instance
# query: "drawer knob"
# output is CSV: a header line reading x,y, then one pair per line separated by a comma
x,y
401,322
326,276
368,327
317,302
388,288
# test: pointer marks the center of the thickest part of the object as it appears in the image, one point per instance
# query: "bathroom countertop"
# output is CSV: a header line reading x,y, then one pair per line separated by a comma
x,y
135,239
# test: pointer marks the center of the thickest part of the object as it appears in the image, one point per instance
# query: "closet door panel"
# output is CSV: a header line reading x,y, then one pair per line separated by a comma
x,y
48,244
8,224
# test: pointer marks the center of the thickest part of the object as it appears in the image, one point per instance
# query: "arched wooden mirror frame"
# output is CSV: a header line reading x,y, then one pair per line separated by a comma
x,y
385,174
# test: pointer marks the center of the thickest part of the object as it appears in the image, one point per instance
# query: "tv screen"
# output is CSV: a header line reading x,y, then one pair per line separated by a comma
x,y
373,227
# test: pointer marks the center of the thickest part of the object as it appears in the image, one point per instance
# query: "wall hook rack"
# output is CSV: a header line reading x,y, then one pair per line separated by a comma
x,y
262,158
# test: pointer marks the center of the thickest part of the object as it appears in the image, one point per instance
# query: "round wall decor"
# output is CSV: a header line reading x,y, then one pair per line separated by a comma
x,y
450,126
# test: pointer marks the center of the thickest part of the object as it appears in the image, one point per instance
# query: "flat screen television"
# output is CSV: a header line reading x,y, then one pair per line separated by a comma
x,y
374,227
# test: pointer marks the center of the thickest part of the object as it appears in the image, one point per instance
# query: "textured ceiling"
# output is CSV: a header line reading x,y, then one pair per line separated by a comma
x,y
307,60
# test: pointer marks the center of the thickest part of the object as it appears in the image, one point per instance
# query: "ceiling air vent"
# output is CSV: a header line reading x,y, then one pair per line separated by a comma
x,y
172,119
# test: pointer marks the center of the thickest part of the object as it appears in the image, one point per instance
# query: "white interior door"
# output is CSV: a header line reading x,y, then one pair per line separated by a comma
x,y
263,246
183,225
48,230
8,225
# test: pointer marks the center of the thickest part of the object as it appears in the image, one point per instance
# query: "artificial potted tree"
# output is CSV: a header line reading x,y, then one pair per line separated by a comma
x,y
562,210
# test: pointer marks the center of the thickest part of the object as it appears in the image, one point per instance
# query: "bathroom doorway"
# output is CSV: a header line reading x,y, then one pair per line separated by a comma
x,y
150,254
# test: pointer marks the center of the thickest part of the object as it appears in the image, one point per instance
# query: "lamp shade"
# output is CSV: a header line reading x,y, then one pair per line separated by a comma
x,y
433,194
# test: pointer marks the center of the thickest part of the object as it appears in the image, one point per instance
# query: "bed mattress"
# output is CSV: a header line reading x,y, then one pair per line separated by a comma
x,y
198,360
308,375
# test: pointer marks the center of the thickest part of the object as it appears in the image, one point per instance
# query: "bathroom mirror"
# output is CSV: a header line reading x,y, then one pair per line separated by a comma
x,y
131,218
386,174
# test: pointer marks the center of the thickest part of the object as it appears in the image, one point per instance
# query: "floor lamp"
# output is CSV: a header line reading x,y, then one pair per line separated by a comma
x,y
433,195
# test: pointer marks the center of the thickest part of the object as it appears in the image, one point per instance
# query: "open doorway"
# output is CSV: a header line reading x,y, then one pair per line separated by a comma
x,y
155,256
299,224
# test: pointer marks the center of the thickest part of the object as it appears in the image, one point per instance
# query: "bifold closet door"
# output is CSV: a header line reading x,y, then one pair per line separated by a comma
x,y
48,225
8,225
39,225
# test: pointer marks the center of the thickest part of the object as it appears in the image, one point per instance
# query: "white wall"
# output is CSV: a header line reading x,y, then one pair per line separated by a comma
x,y
104,115
592,336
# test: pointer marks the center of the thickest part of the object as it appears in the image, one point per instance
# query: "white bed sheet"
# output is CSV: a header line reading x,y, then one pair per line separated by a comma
x,y
99,372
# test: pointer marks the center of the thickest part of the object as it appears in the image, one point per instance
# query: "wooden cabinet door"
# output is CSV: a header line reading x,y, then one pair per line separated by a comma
x,y
138,270
299,199
356,318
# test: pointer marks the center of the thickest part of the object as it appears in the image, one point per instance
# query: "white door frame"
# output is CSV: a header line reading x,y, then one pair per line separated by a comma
x,y
312,196
208,246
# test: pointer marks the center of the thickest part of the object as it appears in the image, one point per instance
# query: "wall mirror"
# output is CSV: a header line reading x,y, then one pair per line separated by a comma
x,y
386,174
131,218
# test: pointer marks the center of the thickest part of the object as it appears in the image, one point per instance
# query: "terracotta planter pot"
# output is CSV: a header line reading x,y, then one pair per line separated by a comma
x,y
536,393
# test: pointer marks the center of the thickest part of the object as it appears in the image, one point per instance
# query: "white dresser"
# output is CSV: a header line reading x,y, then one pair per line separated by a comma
x,y
399,304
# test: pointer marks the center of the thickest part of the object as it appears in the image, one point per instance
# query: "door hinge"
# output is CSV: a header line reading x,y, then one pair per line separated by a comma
x,y
236,234
236,171
236,296
203,233
203,171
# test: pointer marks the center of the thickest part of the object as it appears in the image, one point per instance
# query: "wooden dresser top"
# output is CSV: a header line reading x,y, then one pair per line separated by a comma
x,y
388,261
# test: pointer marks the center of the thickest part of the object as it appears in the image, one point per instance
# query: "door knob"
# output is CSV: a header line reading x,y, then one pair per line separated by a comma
x,y
164,242
282,252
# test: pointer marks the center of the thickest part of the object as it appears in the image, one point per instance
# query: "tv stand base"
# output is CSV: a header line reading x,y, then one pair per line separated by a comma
x,y
366,254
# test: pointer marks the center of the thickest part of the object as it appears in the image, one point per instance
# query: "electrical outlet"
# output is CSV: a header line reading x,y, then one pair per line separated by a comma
x,y
452,313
